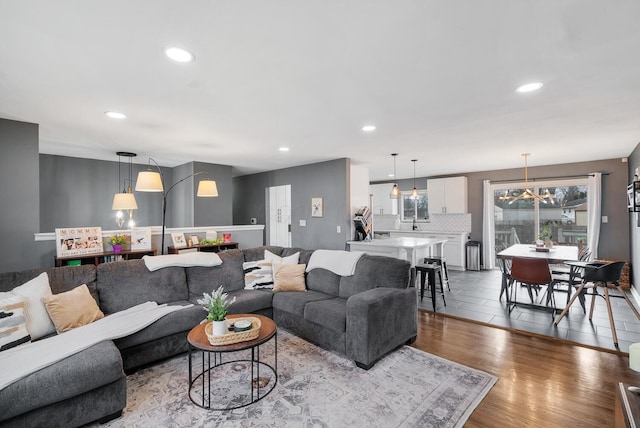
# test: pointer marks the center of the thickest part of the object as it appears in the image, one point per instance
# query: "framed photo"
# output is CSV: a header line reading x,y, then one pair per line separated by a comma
x,y
317,207
75,241
140,238
178,240
194,240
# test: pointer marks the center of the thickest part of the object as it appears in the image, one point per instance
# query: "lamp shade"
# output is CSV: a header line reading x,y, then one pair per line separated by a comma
x,y
207,189
149,181
124,201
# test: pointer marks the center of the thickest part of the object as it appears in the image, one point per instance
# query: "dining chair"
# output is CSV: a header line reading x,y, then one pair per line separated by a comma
x,y
532,273
605,276
571,277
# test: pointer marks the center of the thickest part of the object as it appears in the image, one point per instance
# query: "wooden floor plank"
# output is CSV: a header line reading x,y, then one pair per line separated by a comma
x,y
542,382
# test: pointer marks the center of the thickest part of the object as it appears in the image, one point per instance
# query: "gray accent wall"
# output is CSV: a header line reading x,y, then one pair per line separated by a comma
x,y
329,180
19,211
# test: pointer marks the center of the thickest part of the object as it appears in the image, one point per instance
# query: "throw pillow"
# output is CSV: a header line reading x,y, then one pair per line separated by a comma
x,y
257,275
38,322
13,322
289,260
72,309
288,277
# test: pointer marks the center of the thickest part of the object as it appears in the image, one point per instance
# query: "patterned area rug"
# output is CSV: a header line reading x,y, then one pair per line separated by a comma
x,y
315,388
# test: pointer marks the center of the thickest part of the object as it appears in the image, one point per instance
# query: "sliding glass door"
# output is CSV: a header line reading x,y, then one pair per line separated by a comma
x,y
560,210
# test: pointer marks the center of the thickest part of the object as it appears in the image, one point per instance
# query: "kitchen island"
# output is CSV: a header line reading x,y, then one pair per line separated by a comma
x,y
411,249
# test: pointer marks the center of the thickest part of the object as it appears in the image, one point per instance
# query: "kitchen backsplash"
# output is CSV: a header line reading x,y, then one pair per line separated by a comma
x,y
437,223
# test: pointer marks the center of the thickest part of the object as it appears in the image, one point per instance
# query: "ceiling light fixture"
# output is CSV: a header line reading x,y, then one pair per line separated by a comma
x,y
529,87
284,149
414,192
179,54
125,201
528,194
115,115
395,192
369,128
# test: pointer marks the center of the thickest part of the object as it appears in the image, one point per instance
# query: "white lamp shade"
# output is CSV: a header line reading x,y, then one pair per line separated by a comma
x,y
124,201
207,189
149,181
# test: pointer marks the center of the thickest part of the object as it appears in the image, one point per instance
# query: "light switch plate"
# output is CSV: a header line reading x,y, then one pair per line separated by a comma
x,y
303,223
338,229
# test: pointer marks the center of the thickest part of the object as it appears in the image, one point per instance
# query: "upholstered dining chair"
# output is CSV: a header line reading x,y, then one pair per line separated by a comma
x,y
531,273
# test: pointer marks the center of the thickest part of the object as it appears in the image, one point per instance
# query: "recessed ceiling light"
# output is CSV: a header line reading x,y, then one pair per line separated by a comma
x,y
284,149
179,54
115,115
391,175
529,87
368,128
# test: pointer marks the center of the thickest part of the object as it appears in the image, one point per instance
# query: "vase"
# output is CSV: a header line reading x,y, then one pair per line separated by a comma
x,y
117,248
219,328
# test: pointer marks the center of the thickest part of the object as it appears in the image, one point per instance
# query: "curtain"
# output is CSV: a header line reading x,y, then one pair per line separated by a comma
x,y
487,226
594,210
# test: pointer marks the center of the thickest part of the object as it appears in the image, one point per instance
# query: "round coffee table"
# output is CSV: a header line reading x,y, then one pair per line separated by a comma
x,y
218,373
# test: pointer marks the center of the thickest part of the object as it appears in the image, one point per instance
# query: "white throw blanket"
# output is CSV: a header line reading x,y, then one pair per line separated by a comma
x,y
198,258
20,361
342,263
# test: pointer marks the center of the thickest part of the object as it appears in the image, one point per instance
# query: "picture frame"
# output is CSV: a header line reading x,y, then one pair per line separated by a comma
x,y
77,241
317,207
178,240
194,240
140,238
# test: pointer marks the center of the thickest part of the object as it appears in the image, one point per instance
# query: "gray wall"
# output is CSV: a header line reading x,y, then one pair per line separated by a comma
x,y
214,211
19,211
329,180
614,235
634,219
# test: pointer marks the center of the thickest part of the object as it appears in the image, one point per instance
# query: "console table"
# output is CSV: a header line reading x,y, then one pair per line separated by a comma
x,y
104,257
211,248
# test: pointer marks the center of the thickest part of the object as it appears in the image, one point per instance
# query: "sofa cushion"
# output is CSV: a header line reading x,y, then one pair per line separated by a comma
x,y
250,301
288,277
294,302
324,281
207,279
376,271
72,309
38,322
60,279
303,257
331,313
13,322
257,253
124,284
174,322
84,371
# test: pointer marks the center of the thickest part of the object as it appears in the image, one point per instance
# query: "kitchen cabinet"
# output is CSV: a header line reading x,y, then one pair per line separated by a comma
x,y
382,203
454,249
447,195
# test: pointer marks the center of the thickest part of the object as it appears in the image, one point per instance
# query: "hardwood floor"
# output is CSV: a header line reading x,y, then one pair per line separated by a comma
x,y
542,382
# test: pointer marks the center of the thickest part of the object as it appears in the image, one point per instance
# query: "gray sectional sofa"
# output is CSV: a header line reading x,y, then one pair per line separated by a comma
x,y
362,317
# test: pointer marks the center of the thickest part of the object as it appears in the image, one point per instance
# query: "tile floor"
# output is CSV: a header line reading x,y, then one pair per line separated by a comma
x,y
474,295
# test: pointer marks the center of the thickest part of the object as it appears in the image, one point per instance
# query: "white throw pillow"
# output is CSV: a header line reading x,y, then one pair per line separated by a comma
x,y
13,321
38,322
289,260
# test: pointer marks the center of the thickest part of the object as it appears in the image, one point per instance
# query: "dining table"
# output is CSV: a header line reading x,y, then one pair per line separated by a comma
x,y
558,254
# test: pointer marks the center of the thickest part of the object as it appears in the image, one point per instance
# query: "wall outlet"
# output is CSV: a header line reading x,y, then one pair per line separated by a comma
x,y
338,229
303,223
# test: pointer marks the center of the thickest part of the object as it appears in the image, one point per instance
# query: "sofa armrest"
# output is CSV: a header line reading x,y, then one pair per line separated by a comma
x,y
378,321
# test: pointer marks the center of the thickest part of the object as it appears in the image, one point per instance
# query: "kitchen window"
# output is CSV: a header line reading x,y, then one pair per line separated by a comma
x,y
417,208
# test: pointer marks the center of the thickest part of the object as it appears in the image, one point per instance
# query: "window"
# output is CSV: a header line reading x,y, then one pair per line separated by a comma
x,y
414,208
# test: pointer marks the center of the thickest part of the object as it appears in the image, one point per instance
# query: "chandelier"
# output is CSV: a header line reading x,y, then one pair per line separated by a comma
x,y
528,194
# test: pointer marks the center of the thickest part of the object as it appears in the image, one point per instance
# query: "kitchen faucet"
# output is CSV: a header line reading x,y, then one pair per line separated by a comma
x,y
415,226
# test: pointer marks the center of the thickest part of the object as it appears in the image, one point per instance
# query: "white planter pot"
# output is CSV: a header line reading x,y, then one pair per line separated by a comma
x,y
219,328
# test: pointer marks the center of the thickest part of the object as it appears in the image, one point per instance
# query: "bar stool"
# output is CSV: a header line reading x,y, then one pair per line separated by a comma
x,y
430,269
442,263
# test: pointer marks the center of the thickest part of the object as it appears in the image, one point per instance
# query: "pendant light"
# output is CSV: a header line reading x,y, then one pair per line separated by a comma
x,y
414,192
395,192
124,201
528,194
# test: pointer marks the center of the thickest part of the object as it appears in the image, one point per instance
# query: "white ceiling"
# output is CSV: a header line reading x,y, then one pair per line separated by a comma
x,y
437,78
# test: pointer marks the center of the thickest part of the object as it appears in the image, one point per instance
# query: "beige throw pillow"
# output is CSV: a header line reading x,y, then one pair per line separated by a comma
x,y
72,309
288,277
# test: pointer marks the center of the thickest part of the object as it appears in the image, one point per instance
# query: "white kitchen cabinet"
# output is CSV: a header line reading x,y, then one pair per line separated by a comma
x,y
382,203
447,195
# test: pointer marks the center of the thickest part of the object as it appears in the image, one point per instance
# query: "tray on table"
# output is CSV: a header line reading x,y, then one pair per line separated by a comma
x,y
234,336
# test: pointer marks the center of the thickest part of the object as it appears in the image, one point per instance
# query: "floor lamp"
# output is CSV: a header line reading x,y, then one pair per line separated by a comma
x,y
152,181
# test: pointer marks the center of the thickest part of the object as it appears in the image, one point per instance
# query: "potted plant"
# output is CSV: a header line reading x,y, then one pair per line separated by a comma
x,y
545,233
216,304
117,241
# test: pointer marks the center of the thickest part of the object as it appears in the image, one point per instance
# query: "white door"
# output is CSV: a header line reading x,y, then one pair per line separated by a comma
x,y
280,215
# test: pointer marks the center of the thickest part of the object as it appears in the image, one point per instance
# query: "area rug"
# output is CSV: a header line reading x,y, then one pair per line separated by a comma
x,y
316,388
